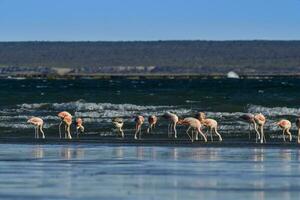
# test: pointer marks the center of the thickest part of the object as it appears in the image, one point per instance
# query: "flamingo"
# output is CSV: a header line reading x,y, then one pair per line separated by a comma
x,y
79,126
172,124
38,123
260,121
298,126
66,118
152,122
285,125
250,119
118,123
211,124
195,125
139,120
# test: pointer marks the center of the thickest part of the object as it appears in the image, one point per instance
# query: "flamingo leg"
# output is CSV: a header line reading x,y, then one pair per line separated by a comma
x,y
148,129
218,134
136,131
257,132
69,132
298,136
289,133
206,132
283,131
202,134
249,131
66,129
175,132
197,137
262,129
187,132
43,134
37,132
262,136
122,132
193,135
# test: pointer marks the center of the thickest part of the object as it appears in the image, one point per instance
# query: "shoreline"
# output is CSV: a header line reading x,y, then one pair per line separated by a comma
x,y
113,141
144,76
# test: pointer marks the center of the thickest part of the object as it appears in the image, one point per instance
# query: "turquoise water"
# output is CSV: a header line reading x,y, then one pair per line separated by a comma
x,y
137,172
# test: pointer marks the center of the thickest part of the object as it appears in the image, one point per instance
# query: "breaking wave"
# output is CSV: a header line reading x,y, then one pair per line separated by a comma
x,y
275,111
100,114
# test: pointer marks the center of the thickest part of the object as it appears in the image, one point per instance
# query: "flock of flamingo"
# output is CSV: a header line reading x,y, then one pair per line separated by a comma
x,y
194,124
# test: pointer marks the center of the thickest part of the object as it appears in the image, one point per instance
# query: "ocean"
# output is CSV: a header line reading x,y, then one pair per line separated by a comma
x,y
91,169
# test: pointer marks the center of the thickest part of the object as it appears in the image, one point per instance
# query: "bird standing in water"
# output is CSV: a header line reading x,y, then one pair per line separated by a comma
x,y
139,120
173,119
250,119
38,123
152,120
118,123
79,126
195,125
66,119
211,124
285,125
260,121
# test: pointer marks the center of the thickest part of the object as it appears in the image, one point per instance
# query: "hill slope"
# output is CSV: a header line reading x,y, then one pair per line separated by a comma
x,y
229,54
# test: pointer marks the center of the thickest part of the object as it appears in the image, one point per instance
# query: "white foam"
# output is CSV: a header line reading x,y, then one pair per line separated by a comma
x,y
273,112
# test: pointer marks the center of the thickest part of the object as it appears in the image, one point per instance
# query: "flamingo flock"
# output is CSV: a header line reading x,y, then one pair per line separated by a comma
x,y
195,126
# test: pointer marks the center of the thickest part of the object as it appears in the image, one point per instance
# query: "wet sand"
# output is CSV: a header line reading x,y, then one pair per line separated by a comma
x,y
151,141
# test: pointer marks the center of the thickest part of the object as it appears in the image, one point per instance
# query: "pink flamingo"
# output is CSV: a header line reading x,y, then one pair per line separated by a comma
x,y
38,123
285,125
211,124
250,119
298,126
152,122
66,119
139,120
79,126
195,125
260,121
172,124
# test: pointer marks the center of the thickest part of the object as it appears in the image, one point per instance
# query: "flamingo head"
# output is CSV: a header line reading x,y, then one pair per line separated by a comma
x,y
200,116
180,121
79,121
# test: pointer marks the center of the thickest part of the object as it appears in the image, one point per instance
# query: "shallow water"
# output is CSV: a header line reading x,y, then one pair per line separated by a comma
x,y
136,172
95,171
97,101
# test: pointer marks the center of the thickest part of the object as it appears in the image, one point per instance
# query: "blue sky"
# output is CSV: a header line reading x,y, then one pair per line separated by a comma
x,y
105,20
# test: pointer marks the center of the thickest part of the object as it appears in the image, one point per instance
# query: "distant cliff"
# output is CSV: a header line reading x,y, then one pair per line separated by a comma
x,y
158,57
